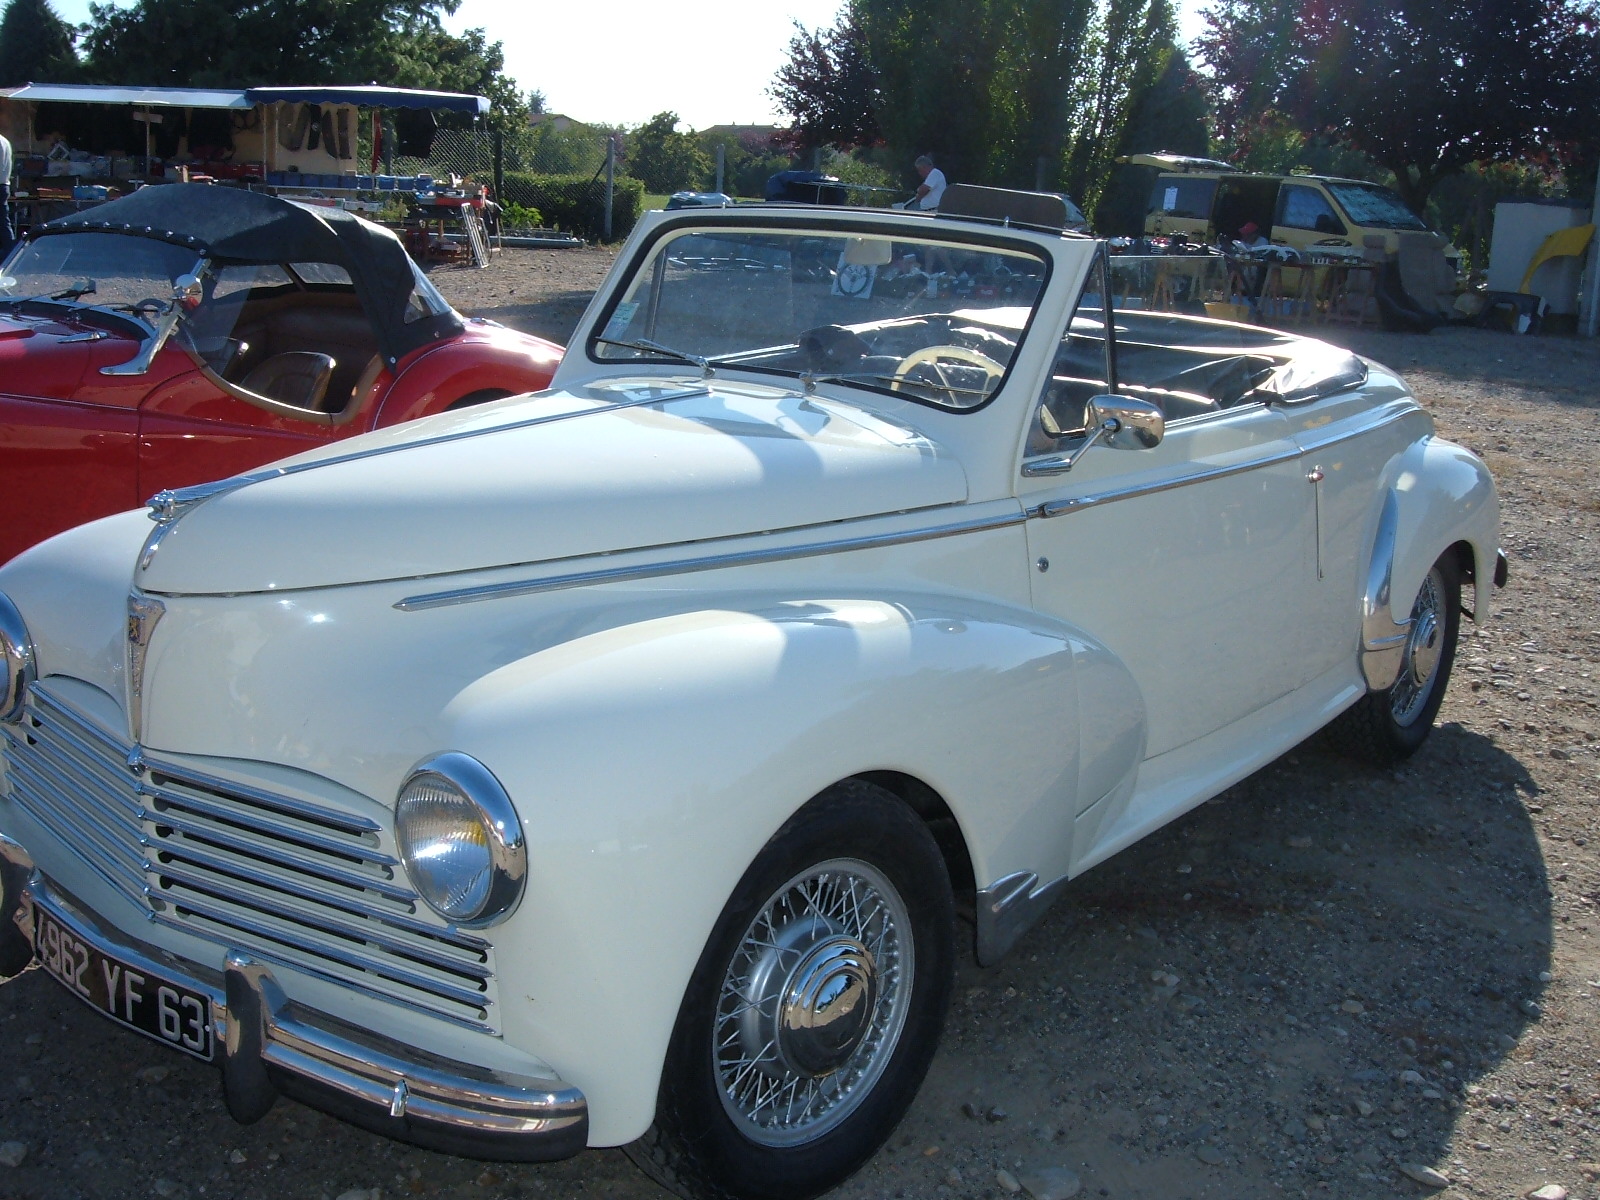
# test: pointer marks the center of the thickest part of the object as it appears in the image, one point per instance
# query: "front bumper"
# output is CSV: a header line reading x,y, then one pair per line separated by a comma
x,y
270,1045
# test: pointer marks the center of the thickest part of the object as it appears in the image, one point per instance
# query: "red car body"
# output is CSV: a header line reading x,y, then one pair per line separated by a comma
x,y
77,444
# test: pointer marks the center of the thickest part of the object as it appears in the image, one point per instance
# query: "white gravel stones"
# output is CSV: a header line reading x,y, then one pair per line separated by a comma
x,y
152,1074
12,1153
1300,842
1051,1183
236,1157
1363,1109
362,1194
1413,1078
1550,1191
1424,1175
1354,1007
1209,1155
1164,979
1399,1133
1003,1177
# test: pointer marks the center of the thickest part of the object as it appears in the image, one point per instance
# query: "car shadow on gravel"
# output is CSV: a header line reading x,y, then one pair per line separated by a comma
x,y
1290,988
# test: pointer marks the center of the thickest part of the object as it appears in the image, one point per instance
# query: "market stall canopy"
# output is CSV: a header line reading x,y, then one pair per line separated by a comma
x,y
147,97
234,225
372,97
154,97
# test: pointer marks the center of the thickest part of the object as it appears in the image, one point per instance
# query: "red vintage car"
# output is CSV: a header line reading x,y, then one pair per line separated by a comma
x,y
189,332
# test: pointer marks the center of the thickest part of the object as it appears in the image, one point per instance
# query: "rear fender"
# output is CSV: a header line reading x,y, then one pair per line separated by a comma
x,y
1438,494
440,376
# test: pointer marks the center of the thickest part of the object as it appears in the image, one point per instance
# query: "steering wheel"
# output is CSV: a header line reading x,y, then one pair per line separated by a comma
x,y
930,355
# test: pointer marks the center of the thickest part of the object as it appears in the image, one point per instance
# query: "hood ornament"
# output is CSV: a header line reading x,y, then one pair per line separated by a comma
x,y
144,613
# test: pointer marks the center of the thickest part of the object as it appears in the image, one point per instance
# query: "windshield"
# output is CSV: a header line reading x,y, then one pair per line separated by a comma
x,y
932,320
123,270
1374,206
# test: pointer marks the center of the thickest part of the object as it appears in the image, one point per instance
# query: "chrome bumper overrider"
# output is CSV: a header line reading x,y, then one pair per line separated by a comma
x,y
268,1044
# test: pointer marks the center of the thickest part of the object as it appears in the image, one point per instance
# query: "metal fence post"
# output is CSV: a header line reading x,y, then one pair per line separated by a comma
x,y
722,156
499,167
1591,291
611,179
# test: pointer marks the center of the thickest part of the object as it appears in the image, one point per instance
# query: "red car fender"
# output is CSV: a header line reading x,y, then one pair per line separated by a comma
x,y
492,359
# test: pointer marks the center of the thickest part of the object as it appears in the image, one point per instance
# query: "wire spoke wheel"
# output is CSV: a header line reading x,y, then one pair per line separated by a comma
x,y
1419,670
813,1002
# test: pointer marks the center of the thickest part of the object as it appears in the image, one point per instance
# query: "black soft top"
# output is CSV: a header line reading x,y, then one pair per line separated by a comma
x,y
231,225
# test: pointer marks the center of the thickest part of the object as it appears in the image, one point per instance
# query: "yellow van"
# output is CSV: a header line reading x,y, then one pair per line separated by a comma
x,y
1204,199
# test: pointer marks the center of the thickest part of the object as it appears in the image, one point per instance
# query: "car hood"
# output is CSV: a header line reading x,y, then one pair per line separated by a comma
x,y
613,466
45,350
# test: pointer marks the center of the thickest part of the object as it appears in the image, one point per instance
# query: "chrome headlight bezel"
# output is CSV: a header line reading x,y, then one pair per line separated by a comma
x,y
474,783
16,649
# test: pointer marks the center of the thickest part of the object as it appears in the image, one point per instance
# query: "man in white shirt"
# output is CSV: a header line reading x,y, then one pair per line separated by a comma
x,y
6,235
931,190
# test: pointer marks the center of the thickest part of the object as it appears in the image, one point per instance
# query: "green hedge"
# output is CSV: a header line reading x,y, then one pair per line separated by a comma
x,y
576,203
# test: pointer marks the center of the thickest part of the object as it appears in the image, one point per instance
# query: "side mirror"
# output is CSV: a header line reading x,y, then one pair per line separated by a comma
x,y
186,291
1127,423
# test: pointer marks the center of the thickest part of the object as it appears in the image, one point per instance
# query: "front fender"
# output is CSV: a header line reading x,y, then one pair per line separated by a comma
x,y
652,761
1438,494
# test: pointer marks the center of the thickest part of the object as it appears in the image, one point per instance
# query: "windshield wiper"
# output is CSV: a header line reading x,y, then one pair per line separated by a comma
x,y
811,379
705,364
84,287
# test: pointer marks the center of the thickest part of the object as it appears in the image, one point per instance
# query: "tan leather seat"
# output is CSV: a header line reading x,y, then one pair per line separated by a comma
x,y
298,377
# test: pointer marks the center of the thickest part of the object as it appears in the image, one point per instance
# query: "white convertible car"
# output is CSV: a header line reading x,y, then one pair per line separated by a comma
x,y
611,765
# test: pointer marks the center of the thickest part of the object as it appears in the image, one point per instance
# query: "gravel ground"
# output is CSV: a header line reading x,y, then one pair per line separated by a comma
x,y
1325,976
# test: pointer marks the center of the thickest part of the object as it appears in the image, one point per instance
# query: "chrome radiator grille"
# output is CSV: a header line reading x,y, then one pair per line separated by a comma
x,y
284,877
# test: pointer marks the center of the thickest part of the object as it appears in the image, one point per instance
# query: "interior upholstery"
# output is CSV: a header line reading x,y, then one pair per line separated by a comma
x,y
298,377
333,326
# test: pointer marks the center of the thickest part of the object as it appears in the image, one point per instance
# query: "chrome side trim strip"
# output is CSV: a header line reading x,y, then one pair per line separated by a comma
x,y
709,562
1055,508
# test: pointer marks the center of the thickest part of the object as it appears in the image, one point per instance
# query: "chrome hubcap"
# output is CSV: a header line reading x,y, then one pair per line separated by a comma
x,y
813,1003
1424,648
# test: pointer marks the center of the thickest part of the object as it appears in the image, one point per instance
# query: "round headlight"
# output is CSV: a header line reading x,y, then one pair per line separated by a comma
x,y
460,840
16,649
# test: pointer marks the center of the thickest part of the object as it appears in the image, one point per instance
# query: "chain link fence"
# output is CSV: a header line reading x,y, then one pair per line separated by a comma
x,y
548,178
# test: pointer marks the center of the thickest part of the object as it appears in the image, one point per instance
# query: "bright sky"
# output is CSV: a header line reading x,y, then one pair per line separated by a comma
x,y
710,61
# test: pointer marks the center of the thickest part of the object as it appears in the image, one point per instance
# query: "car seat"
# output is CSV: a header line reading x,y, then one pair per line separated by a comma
x,y
296,377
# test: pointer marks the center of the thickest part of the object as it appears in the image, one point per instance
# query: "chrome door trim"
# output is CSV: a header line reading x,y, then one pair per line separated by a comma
x,y
708,562
1055,508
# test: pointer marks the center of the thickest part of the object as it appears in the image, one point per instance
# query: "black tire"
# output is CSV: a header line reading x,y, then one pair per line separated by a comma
x,y
1390,726
475,398
711,1144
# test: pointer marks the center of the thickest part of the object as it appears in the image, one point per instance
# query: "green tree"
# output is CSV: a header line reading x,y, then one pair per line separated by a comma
x,y
243,43
1020,93
1169,115
35,45
665,159
1423,87
828,87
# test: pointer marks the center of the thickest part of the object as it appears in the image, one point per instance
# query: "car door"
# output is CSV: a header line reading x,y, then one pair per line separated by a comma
x,y
1188,560
194,428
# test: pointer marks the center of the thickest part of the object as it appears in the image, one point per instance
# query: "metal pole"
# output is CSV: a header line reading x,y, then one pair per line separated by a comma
x,y
611,179
1591,306
499,166
722,153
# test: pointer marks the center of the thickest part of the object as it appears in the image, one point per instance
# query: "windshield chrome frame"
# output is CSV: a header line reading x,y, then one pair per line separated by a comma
x,y
824,223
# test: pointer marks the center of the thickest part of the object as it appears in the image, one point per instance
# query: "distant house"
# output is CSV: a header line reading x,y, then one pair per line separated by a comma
x,y
557,121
